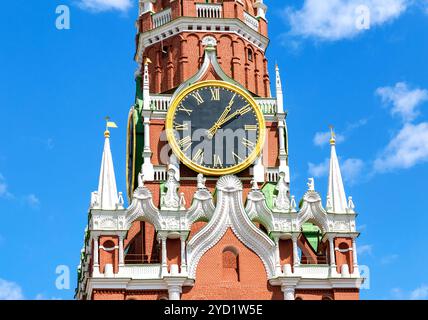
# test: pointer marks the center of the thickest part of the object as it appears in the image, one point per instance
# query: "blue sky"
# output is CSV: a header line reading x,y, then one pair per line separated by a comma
x,y
56,86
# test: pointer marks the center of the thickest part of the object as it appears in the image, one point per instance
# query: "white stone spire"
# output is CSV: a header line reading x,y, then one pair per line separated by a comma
x,y
147,169
336,198
146,85
261,8
107,191
279,94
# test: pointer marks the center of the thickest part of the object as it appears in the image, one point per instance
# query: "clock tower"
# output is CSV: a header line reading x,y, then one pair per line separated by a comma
x,y
210,212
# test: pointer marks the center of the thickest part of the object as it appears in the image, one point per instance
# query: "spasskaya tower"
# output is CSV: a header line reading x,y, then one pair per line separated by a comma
x,y
210,212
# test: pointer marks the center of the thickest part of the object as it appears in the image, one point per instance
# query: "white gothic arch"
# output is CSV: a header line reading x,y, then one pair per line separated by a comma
x,y
230,212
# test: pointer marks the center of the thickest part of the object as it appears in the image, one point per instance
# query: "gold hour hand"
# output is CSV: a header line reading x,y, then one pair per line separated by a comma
x,y
212,131
239,112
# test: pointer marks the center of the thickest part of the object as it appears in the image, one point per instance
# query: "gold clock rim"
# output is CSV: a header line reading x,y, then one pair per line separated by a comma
x,y
211,171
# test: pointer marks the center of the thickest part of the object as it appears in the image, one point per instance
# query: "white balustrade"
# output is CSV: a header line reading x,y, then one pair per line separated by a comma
x,y
268,106
161,18
312,271
150,271
160,102
209,10
251,21
160,173
272,174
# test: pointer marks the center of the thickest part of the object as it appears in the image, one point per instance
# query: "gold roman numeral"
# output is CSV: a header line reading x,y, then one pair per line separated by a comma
x,y
198,98
181,127
199,157
237,157
215,94
185,143
249,144
182,108
217,161
250,127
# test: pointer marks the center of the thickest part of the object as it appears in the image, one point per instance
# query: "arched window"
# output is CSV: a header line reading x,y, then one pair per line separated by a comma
x,y
250,54
230,264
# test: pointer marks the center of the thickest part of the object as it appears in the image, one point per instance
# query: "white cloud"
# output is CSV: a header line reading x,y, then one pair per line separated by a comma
x,y
323,138
420,293
32,200
389,259
4,190
365,249
352,169
408,148
105,5
10,291
320,169
331,20
405,101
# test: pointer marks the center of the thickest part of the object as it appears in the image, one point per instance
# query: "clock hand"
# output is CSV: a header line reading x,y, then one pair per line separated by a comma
x,y
239,112
212,131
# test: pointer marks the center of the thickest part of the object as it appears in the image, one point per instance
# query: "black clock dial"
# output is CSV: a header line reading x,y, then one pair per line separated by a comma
x,y
216,127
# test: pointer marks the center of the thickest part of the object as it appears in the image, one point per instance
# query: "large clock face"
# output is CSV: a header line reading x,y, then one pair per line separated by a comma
x,y
215,128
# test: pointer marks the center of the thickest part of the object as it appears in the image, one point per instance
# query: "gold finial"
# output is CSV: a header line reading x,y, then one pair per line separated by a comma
x,y
109,124
107,132
147,60
333,135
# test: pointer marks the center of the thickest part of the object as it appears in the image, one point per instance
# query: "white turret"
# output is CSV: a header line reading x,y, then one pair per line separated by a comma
x,y
147,169
146,85
279,94
336,198
146,6
261,9
107,196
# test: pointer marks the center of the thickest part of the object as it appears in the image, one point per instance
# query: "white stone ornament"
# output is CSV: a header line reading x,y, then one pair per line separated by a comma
x,y
351,205
209,41
141,180
121,202
311,184
201,182
282,201
254,185
182,201
171,199
293,204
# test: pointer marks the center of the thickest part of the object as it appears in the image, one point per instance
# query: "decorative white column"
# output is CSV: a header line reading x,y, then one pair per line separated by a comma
x,y
283,166
183,254
96,270
164,256
174,292
296,259
356,271
259,170
288,291
121,256
333,271
148,170
277,256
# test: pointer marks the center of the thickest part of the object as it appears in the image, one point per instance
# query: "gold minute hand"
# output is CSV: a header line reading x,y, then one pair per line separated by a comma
x,y
226,111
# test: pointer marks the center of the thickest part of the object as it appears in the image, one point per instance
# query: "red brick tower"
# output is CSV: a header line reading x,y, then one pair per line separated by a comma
x,y
201,230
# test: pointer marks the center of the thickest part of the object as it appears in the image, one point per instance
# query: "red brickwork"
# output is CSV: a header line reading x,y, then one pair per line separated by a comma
x,y
212,282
